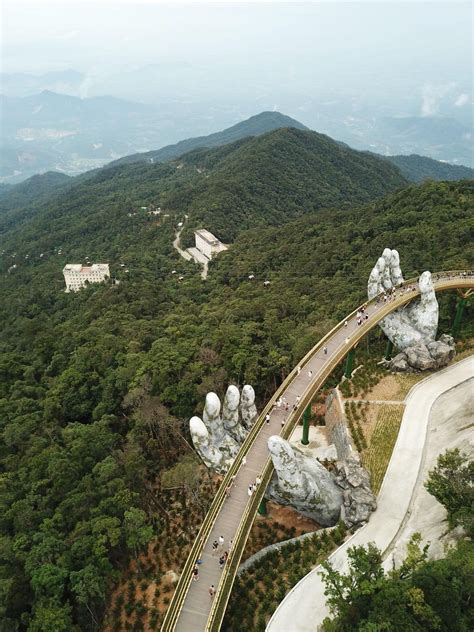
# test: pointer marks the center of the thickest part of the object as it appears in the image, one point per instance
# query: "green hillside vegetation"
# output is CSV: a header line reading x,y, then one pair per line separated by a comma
x,y
422,594
253,126
29,195
30,190
241,188
418,168
253,182
96,388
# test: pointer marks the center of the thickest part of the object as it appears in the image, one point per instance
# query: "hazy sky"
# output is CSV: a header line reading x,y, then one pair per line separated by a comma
x,y
312,47
41,35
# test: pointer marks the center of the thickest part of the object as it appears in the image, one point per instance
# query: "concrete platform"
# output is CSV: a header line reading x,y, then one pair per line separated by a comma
x,y
197,255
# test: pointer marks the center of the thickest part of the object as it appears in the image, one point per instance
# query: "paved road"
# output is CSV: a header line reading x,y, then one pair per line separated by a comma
x,y
304,607
176,246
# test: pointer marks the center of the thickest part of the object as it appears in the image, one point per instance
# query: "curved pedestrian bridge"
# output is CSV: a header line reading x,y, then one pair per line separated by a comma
x,y
192,609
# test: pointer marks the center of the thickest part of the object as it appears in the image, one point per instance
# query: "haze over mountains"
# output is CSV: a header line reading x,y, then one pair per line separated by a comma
x,y
51,131
72,135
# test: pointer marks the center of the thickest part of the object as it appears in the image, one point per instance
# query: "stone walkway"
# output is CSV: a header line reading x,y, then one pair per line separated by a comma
x,y
300,613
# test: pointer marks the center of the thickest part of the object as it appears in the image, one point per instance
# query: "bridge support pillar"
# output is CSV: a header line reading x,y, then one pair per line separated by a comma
x,y
349,363
458,317
262,508
389,350
305,435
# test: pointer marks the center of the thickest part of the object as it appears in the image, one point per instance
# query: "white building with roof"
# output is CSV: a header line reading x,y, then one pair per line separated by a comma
x,y
77,276
207,244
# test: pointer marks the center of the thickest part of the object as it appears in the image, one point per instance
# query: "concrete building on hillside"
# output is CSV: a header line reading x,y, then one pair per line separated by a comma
x,y
207,246
77,276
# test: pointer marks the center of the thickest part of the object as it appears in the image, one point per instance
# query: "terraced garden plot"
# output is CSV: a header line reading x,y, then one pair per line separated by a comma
x,y
377,456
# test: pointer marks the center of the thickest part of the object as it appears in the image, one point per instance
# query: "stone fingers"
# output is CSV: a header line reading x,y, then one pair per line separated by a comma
x,y
425,313
387,271
395,269
376,279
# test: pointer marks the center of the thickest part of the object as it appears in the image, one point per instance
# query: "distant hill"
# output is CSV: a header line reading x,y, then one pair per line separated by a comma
x,y
20,84
418,168
272,178
253,126
20,201
48,131
29,190
439,137
256,181
4,188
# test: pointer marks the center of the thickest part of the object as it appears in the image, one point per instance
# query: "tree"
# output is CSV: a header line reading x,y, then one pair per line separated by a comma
x,y
137,531
348,595
420,595
186,476
51,616
451,482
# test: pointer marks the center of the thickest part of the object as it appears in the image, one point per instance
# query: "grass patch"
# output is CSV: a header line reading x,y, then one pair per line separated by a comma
x,y
377,456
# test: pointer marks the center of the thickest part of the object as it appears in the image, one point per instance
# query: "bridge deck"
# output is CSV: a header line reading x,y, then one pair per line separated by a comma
x,y
196,608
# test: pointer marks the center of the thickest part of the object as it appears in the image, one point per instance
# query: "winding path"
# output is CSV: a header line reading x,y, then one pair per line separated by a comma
x,y
187,256
192,609
176,245
297,612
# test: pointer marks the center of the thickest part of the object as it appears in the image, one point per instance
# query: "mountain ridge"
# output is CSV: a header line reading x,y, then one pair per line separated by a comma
x,y
255,181
253,126
414,167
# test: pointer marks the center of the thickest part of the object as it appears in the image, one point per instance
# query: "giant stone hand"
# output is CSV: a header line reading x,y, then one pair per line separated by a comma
x,y
303,483
217,437
411,325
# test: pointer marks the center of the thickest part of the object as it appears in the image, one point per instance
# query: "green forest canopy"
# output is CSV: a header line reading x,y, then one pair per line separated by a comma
x,y
78,450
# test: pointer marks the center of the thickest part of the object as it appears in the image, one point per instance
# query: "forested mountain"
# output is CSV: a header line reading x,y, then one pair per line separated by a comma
x,y
414,168
252,182
254,126
32,190
21,201
96,388
272,178
418,168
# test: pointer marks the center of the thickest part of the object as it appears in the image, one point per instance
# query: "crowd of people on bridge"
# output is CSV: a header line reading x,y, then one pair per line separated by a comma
x,y
361,315
393,293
